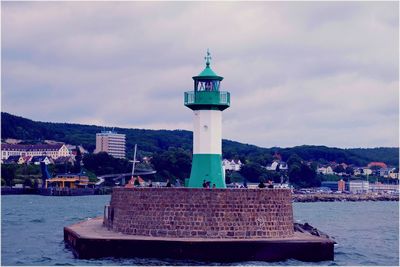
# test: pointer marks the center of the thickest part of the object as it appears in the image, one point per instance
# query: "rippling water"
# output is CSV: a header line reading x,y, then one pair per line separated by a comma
x,y
367,233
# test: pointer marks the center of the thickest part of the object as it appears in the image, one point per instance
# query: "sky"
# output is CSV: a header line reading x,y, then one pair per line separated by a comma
x,y
299,73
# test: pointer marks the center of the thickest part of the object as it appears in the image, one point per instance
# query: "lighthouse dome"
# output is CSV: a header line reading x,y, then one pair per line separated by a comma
x,y
208,73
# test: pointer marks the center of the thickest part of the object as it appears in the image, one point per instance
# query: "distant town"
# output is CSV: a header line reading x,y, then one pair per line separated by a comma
x,y
19,161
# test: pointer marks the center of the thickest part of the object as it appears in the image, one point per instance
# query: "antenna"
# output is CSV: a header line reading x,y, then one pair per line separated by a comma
x,y
208,57
134,161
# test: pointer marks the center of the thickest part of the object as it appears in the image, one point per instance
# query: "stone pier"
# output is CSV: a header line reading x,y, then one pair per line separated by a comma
x,y
205,213
218,225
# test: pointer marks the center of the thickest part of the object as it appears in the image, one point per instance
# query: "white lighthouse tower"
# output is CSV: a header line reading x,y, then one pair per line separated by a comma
x,y
207,103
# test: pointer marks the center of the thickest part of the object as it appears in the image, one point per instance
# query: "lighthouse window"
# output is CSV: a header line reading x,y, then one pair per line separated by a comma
x,y
209,86
216,85
201,87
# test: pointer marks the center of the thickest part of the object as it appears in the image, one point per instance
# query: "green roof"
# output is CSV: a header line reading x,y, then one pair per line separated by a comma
x,y
208,73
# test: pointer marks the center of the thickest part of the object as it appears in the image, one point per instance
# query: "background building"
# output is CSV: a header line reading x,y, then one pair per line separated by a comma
x,y
358,186
53,151
112,143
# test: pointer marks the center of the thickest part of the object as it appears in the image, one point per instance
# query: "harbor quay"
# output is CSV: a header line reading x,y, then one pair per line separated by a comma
x,y
222,225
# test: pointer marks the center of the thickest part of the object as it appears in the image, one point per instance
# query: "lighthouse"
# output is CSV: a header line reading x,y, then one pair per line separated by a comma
x,y
207,102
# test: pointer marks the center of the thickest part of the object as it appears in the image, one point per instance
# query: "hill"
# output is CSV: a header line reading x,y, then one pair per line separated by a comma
x,y
158,141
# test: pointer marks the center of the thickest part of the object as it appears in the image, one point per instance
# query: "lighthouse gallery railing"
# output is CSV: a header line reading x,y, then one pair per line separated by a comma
x,y
207,97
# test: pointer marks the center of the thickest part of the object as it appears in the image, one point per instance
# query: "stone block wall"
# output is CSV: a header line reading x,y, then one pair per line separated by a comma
x,y
201,213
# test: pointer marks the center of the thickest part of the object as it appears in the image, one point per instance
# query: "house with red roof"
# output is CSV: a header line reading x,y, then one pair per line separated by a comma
x,y
377,164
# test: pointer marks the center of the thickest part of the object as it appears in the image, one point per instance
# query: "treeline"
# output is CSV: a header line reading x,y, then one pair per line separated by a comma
x,y
152,142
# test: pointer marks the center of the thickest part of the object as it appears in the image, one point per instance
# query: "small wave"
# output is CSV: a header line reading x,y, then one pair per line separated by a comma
x,y
41,220
44,258
332,263
368,263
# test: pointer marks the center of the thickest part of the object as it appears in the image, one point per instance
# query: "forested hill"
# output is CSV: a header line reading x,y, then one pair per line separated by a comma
x,y
151,141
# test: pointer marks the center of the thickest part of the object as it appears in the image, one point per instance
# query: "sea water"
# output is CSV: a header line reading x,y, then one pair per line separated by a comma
x,y
367,233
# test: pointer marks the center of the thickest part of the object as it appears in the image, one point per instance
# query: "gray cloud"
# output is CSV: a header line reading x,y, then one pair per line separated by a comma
x,y
298,72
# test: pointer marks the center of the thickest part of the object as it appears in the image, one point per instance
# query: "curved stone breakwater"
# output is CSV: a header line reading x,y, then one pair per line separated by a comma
x,y
343,197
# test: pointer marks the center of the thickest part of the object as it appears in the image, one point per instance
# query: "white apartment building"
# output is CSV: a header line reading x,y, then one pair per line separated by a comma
x,y
112,143
54,151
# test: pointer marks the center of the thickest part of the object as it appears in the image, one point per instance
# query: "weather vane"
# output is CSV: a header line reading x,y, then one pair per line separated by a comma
x,y
208,58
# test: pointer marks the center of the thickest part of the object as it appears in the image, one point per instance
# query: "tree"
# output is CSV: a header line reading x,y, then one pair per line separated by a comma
x,y
28,182
294,159
260,158
302,175
102,163
8,173
339,169
251,172
349,170
175,163
233,177
78,159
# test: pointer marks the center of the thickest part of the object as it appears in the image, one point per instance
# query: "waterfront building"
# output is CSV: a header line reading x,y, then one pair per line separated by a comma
x,y
389,173
341,185
64,160
14,160
111,142
335,185
54,151
325,170
232,165
27,159
362,171
358,186
367,171
357,171
207,102
393,174
73,150
37,159
332,185
379,187
277,164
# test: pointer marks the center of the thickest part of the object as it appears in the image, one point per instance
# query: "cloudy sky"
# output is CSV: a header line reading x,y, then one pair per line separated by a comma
x,y
317,73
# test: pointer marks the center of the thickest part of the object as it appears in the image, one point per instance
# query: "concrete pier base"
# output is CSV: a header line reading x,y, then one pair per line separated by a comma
x,y
90,239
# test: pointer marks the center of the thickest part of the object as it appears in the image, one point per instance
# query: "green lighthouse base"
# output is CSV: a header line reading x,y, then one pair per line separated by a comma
x,y
207,167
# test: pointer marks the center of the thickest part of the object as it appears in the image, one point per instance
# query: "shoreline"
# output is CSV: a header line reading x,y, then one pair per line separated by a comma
x,y
320,197
313,197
